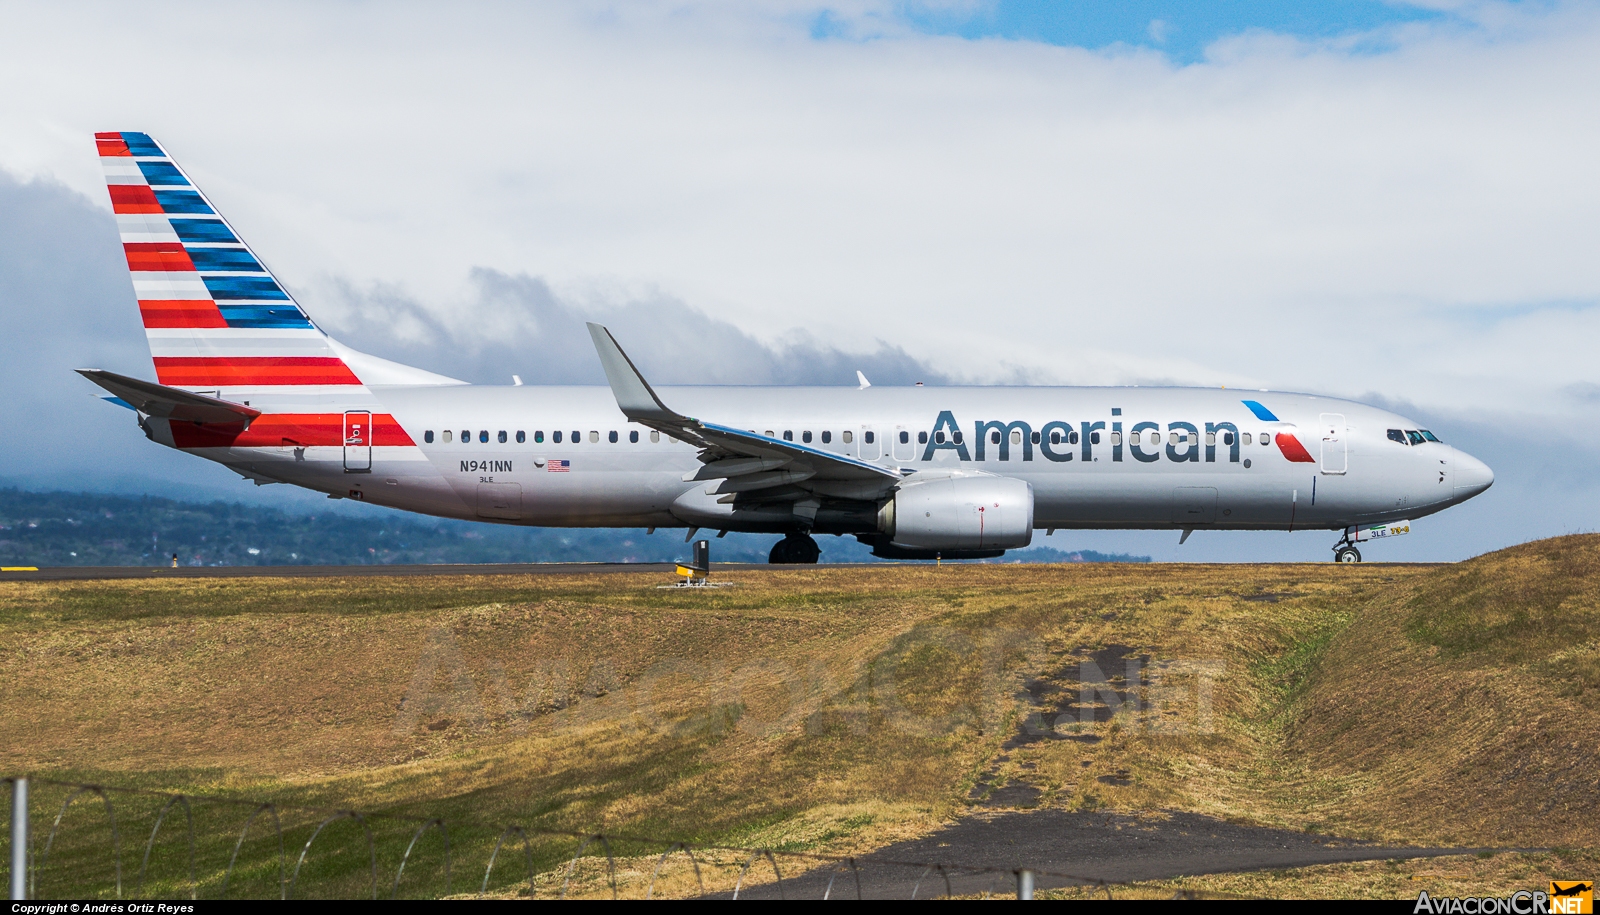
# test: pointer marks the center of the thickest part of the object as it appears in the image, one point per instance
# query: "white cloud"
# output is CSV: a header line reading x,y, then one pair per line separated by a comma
x,y
1418,221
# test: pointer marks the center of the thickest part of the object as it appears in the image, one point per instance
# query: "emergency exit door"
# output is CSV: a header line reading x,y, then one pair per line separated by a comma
x,y
358,441
1335,453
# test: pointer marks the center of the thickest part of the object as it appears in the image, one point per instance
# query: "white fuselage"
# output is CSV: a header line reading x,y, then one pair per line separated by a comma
x,y
1349,472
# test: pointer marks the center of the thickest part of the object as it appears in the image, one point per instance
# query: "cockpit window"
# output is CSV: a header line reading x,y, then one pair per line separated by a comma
x,y
1415,436
1430,436
1395,435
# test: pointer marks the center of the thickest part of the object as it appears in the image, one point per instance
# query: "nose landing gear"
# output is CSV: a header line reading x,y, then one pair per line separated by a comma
x,y
1345,550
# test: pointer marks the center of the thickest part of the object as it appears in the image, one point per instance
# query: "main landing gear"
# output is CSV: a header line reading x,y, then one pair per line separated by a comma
x,y
795,549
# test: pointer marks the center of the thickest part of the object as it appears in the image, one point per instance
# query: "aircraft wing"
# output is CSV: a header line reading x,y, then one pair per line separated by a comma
x,y
172,403
746,462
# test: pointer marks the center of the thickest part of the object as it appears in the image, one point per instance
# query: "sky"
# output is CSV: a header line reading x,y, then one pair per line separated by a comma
x,y
1392,202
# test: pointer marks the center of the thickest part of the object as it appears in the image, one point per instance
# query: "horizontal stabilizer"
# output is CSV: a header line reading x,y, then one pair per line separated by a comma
x,y
172,403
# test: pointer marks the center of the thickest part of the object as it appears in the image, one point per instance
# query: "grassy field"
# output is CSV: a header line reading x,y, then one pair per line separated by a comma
x,y
810,710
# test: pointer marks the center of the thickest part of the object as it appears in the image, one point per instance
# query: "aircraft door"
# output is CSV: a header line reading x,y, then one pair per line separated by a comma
x,y
904,449
358,441
871,447
1335,452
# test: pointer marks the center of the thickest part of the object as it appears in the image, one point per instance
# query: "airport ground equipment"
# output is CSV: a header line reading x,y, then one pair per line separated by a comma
x,y
697,571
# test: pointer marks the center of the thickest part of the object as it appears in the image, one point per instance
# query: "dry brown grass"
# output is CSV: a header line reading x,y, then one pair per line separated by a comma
x,y
1457,708
819,709
1497,875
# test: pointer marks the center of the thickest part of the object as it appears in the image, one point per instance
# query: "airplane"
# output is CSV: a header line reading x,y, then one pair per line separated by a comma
x,y
245,378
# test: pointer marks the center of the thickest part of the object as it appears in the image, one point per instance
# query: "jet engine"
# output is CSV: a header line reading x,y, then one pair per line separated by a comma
x,y
959,514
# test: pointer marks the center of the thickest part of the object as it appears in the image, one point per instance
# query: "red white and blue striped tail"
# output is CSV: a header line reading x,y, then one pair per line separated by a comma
x,y
216,318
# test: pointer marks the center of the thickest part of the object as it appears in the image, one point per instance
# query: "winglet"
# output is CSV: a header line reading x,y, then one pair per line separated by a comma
x,y
863,379
634,395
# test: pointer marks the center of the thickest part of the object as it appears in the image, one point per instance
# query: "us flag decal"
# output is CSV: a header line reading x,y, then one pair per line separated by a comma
x,y
558,466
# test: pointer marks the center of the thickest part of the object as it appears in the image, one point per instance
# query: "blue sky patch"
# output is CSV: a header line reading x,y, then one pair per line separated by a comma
x,y
1180,30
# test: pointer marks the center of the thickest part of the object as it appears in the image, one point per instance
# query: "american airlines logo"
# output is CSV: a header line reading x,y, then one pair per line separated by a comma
x,y
1061,441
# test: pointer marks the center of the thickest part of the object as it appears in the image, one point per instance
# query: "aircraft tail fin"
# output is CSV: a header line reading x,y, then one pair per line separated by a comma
x,y
214,315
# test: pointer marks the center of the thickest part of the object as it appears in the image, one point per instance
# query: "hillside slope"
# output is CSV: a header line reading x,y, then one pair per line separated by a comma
x,y
1459,706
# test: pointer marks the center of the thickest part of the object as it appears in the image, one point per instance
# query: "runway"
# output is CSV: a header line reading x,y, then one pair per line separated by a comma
x,y
114,573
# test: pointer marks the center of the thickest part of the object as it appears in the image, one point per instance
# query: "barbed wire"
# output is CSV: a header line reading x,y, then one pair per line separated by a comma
x,y
834,865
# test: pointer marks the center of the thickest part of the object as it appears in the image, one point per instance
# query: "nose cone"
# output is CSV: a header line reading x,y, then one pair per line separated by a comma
x,y
1472,476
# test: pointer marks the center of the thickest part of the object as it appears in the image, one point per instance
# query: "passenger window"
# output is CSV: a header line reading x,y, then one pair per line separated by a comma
x,y
613,436
770,433
806,436
1247,439
1227,438
848,438
1172,438
1135,438
447,436
1055,436
869,436
654,436
502,436
1211,438
905,438
633,436
922,438
994,437
788,435
1266,439
1116,438
826,436
1073,438
938,438
538,436
1395,435
466,436
483,436
957,436
428,436
521,436
1016,436
1094,438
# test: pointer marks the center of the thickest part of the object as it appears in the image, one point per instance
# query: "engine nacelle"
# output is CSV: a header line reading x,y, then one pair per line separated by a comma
x,y
960,513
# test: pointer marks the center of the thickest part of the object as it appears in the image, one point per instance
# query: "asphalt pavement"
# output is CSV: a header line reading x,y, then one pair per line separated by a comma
x,y
1070,848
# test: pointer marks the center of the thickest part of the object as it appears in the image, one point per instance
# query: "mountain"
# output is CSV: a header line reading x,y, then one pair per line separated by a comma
x,y
97,529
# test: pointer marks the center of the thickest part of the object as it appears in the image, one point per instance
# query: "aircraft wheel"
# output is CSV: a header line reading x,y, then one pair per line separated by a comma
x,y
794,549
1347,554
